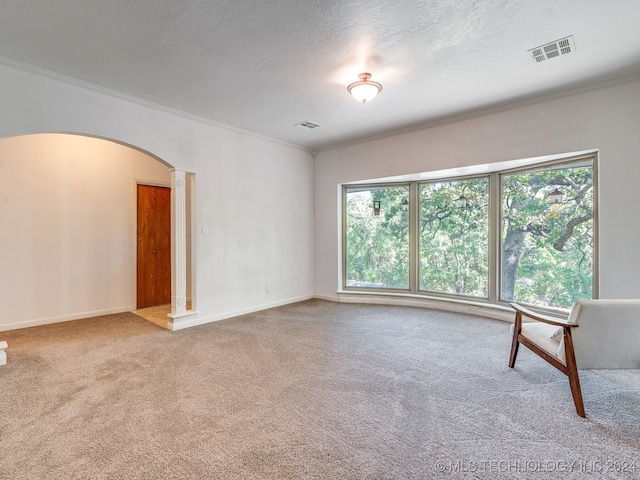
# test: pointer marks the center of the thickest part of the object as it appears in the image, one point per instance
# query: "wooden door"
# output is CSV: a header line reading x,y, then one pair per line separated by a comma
x,y
154,246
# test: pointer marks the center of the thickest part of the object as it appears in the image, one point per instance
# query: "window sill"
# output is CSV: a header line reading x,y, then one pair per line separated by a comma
x,y
483,309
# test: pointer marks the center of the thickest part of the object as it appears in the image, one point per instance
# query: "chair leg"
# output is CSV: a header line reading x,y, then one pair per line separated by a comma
x,y
514,351
574,383
517,328
572,373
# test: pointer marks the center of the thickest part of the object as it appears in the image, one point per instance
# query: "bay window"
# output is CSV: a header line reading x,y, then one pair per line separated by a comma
x,y
527,235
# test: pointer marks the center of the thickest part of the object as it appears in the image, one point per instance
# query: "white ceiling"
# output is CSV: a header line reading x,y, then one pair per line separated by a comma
x,y
266,65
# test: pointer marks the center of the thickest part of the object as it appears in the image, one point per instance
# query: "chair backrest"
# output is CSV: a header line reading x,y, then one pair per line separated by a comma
x,y
608,335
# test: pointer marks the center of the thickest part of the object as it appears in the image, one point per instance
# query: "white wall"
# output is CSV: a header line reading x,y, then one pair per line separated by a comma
x,y
68,218
255,199
607,119
254,196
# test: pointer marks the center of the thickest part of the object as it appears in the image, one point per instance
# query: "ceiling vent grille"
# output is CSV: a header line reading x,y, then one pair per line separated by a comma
x,y
307,124
553,49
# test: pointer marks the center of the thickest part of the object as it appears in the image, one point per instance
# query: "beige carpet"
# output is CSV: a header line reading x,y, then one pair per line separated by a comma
x,y
311,390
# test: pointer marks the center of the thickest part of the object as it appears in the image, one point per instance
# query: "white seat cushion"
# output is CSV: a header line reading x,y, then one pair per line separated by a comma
x,y
545,336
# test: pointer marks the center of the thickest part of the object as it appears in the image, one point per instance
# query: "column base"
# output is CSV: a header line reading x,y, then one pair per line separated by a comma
x,y
3,355
186,313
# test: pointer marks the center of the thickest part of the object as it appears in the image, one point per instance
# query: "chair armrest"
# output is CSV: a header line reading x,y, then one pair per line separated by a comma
x,y
541,317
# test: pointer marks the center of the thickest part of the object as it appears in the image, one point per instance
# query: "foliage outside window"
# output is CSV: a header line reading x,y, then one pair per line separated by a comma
x,y
531,241
547,242
377,239
454,237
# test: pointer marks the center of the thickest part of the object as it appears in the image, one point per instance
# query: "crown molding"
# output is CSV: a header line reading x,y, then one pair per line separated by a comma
x,y
26,67
481,112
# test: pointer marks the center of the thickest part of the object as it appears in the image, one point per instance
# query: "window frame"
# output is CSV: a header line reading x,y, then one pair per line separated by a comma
x,y
490,188
575,161
495,198
411,252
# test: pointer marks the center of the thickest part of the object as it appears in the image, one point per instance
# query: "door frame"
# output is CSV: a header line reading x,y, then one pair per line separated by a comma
x,y
134,236
183,243
170,272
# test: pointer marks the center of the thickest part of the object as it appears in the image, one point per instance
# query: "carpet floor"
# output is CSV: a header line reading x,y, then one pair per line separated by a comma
x,y
313,390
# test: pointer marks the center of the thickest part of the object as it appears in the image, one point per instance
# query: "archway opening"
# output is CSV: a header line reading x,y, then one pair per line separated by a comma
x,y
68,207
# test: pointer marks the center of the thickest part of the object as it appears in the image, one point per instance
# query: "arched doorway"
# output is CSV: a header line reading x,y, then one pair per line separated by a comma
x,y
67,205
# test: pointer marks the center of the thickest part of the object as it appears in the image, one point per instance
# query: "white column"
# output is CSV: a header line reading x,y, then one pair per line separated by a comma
x,y
3,355
178,244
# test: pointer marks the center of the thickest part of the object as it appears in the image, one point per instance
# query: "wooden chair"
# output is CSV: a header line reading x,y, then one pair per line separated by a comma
x,y
598,334
531,338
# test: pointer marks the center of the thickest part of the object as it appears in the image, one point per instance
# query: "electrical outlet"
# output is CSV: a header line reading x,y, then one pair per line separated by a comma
x,y
473,308
267,287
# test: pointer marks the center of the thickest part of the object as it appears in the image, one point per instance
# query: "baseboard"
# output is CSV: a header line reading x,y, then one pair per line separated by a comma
x,y
490,311
63,318
179,324
496,312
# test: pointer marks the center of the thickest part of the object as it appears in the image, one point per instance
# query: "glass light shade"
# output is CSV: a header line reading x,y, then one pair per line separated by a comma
x,y
364,93
364,90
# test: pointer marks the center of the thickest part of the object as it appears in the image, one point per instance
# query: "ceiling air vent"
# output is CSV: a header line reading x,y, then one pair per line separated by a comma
x,y
554,49
307,124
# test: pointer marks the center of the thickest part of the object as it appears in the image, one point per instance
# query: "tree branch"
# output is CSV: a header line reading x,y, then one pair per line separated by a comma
x,y
573,223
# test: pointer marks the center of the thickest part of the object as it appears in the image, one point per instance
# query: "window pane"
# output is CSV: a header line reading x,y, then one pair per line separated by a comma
x,y
547,236
454,237
377,240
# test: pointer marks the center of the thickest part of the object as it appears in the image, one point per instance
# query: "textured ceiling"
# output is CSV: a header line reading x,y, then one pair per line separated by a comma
x,y
265,66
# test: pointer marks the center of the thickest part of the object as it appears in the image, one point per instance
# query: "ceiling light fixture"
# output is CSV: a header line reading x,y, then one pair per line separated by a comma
x,y
365,89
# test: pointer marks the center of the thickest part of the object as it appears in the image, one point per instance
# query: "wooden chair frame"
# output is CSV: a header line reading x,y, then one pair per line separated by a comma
x,y
570,368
